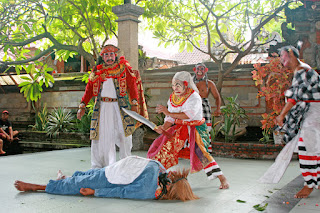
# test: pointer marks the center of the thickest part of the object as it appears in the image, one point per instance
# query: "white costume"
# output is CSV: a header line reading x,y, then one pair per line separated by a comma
x,y
111,133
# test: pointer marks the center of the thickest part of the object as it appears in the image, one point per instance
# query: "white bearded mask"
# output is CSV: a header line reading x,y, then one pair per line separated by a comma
x,y
186,77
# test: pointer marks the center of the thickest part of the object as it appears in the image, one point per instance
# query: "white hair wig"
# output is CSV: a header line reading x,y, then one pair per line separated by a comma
x,y
186,76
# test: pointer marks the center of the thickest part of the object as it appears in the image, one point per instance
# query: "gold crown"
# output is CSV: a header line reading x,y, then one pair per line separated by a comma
x,y
109,48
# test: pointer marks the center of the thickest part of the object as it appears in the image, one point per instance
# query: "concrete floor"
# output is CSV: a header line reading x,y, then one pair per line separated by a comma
x,y
242,176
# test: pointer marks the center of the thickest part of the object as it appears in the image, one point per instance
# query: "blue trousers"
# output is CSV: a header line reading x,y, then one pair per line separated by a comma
x,y
93,178
143,187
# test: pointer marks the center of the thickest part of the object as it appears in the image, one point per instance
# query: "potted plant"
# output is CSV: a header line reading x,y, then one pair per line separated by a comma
x,y
273,80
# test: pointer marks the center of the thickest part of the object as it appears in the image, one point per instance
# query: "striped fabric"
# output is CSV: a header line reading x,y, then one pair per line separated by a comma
x,y
305,88
209,132
212,170
206,109
309,166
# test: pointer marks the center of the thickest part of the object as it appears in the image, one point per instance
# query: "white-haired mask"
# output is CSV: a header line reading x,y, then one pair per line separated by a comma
x,y
181,81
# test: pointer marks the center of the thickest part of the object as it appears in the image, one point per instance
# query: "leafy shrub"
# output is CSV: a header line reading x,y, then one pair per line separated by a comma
x,y
41,119
232,114
59,120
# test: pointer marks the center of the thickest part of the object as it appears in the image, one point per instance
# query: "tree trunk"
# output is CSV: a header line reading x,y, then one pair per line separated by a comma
x,y
220,82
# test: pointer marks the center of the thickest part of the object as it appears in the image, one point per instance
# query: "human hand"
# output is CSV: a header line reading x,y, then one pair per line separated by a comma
x,y
80,113
217,113
87,191
159,129
279,120
134,108
162,109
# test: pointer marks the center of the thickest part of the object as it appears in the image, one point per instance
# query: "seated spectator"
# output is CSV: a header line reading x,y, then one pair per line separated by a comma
x,y
6,131
1,146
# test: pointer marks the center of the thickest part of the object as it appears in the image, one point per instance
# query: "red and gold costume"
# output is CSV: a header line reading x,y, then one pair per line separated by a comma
x,y
115,85
190,137
128,85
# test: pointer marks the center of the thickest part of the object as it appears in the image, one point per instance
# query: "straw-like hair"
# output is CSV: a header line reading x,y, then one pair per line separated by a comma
x,y
180,188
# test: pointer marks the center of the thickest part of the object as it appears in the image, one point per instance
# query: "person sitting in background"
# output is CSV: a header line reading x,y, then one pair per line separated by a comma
x,y
6,131
1,148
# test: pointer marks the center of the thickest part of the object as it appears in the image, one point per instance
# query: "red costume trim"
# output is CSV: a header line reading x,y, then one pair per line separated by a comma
x,y
184,97
120,71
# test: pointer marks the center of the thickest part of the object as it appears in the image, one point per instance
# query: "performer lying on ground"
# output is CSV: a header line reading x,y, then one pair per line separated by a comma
x,y
132,177
190,137
302,118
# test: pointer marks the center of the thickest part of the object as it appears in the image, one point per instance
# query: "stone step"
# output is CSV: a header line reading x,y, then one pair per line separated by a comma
x,y
48,146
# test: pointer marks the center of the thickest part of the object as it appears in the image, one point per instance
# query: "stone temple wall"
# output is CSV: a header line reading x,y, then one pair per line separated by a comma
x,y
157,83
68,90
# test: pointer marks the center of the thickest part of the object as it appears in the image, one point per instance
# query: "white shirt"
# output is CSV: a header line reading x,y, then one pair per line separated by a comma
x,y
192,108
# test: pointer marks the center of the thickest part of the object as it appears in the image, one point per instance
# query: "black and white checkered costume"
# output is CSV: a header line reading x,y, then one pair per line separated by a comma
x,y
305,87
206,109
205,101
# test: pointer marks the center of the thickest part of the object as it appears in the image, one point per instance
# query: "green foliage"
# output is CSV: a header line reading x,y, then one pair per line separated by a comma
x,y
85,77
267,137
260,208
232,114
214,131
41,119
147,95
226,27
90,106
62,27
31,87
83,125
160,119
63,24
59,120
188,22
142,60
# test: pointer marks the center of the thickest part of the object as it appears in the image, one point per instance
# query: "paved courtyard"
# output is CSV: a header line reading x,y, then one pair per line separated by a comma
x,y
242,176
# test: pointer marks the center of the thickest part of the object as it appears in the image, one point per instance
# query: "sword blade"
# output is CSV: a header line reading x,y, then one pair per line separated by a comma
x,y
140,118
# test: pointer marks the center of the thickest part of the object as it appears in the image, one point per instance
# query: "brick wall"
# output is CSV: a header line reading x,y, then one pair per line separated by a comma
x,y
239,82
67,92
246,150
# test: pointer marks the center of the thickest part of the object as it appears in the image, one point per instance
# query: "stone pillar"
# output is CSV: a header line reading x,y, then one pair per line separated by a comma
x,y
128,15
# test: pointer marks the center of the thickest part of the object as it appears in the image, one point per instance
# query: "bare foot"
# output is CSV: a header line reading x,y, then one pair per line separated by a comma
x,y
2,152
60,176
86,191
304,192
224,182
22,186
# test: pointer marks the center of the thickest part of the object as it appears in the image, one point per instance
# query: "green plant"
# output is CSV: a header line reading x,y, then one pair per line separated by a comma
x,y
83,125
214,131
160,119
142,59
31,87
147,95
232,114
90,106
85,77
273,80
41,119
59,120
266,136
